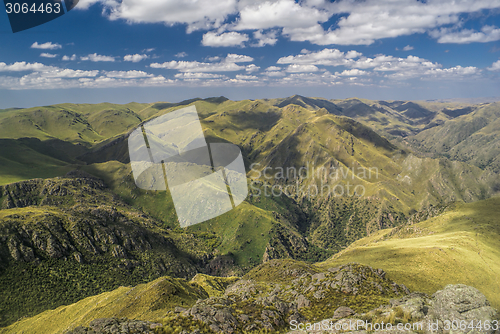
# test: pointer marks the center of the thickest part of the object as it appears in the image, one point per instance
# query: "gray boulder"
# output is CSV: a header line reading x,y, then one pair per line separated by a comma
x,y
461,303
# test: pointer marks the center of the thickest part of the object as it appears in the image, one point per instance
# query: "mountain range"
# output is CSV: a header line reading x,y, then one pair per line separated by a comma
x,y
426,174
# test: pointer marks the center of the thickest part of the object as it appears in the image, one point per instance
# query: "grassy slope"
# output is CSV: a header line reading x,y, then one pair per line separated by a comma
x,y
459,246
148,301
473,138
272,136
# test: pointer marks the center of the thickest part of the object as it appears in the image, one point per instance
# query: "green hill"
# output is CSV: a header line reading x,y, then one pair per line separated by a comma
x,y
93,230
473,138
458,246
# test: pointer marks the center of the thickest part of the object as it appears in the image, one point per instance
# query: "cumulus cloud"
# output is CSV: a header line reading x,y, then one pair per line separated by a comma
x,y
264,39
194,66
225,39
281,13
370,20
465,36
297,68
330,57
128,74
214,58
385,63
252,68
67,58
235,58
181,55
273,68
378,66
352,73
47,55
135,58
24,66
46,46
228,64
246,77
194,75
68,73
495,66
351,22
408,48
96,58
200,14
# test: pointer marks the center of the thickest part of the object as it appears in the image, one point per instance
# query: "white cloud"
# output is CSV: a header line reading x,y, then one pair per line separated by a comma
x,y
47,55
495,66
371,20
353,22
24,66
149,50
385,63
194,66
128,74
274,71
330,57
228,64
352,73
194,75
465,36
268,38
246,77
281,13
214,58
273,68
181,55
200,14
235,58
225,39
68,73
46,46
453,71
252,68
96,58
379,66
135,58
408,48
297,68
67,58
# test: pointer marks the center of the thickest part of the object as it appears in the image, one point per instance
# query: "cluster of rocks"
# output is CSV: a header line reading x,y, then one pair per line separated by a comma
x,y
250,305
451,310
51,191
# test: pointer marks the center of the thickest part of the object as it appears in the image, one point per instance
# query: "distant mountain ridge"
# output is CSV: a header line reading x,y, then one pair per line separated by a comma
x,y
426,155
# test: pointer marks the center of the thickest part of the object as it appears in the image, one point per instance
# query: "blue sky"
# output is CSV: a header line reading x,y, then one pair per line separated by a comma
x,y
165,50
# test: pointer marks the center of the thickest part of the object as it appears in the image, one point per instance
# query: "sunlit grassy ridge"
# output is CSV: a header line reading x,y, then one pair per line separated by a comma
x,y
149,301
459,246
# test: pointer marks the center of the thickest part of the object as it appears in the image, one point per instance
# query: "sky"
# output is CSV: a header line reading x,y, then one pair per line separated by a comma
x,y
166,50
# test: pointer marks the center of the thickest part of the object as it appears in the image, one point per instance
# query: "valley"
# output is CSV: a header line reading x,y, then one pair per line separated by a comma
x,y
76,232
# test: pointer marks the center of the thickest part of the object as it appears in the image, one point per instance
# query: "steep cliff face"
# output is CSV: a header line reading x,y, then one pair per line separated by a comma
x,y
64,239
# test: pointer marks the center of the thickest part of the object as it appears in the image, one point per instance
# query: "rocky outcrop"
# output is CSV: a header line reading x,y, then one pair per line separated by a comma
x,y
78,219
451,310
250,305
464,304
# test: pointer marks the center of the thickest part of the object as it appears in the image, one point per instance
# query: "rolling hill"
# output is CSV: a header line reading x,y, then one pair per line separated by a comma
x,y
374,171
458,246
